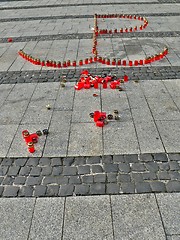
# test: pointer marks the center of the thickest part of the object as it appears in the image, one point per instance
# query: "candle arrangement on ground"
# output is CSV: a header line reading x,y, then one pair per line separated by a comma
x,y
96,57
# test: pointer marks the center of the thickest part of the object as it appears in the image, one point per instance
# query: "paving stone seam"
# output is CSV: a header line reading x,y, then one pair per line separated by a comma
x,y
80,16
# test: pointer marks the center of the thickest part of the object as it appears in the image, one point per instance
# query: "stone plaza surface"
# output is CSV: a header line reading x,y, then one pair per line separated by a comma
x,y
132,165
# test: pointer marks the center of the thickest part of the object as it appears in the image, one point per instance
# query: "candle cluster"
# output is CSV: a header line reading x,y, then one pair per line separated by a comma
x,y
88,81
96,57
101,118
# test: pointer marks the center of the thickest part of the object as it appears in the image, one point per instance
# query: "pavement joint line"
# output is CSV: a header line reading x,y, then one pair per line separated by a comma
x,y
120,174
32,218
81,16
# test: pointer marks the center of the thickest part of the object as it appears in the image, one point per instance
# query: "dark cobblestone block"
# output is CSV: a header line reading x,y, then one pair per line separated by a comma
x,y
128,187
163,175
87,179
39,191
164,166
1,159
4,170
56,162
97,169
110,168
93,160
68,171
1,179
52,190
124,167
68,161
66,190
100,178
112,188
10,191
174,175
146,157
32,162
24,171
174,166
8,180
149,176
1,190
107,159
20,180
152,166
13,171
62,180
84,169
143,187
173,186
97,188
124,178
44,161
118,158
49,180
20,162
35,171
131,158
82,189
7,162
158,187
75,179
79,161
174,156
46,171
160,157
138,167
31,181
111,177
137,177
56,171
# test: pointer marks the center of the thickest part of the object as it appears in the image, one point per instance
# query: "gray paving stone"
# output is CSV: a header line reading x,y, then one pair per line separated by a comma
x,y
45,161
1,179
173,237
82,189
79,161
131,158
12,211
174,166
13,171
56,171
47,219
152,166
31,181
35,171
158,186
97,188
3,170
26,191
170,211
107,159
97,169
84,169
146,157
163,175
56,162
1,190
100,178
93,160
112,188
174,156
174,175
149,176
39,191
46,171
52,190
20,180
110,167
137,177
10,191
67,171
74,180
95,216
124,167
24,171
118,158
20,161
8,180
135,225
162,157
111,177
173,186
138,167
124,178
68,161
128,187
143,187
7,162
164,166
32,162
66,190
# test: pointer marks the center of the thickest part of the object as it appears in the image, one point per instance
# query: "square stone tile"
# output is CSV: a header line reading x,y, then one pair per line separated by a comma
x,y
5,89
88,217
154,89
120,138
173,87
7,133
148,137
14,212
46,90
85,140
136,217
85,103
47,219
170,134
19,148
169,205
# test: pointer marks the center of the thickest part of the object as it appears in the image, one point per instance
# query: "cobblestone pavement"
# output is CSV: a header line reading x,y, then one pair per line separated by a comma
x,y
131,165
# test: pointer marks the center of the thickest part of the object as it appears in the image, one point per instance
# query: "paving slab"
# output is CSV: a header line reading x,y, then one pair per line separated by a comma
x,y
47,219
88,217
136,217
16,215
169,206
5,91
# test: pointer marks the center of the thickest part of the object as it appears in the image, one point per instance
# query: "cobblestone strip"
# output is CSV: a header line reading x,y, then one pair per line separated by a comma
x,y
90,35
134,73
82,16
132,173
